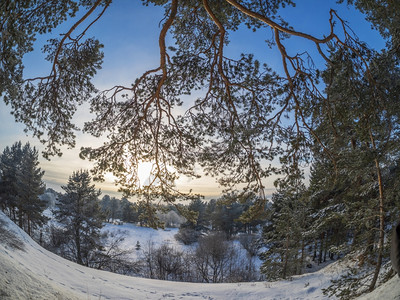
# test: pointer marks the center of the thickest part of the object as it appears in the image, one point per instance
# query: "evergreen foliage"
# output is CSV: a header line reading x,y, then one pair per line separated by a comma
x,y
80,214
286,234
21,185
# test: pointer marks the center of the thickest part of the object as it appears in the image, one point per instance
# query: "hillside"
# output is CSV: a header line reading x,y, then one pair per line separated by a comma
x,y
31,272
388,291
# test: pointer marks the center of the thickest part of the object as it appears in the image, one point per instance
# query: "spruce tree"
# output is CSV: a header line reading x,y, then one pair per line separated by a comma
x,y
10,162
30,187
79,211
21,184
129,211
114,208
285,236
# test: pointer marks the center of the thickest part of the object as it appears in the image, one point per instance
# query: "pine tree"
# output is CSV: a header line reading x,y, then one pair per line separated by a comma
x,y
114,209
105,207
327,212
284,236
79,211
199,207
30,187
21,184
358,131
129,211
10,162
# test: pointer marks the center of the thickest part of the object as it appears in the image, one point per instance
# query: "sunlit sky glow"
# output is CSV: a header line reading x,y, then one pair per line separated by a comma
x,y
129,32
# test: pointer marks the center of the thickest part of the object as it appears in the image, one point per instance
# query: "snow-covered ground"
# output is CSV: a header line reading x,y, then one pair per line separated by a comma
x,y
388,291
35,273
133,234
146,236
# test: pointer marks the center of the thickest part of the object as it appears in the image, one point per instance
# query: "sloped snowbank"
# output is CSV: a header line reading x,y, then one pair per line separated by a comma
x,y
35,273
387,291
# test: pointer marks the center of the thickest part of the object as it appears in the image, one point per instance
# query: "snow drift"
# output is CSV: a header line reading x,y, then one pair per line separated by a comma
x,y
30,272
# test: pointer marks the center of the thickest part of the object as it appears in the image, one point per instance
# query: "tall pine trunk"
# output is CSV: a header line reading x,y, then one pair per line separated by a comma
x,y
20,218
78,247
315,250
29,226
286,257
321,248
14,213
302,257
381,227
381,219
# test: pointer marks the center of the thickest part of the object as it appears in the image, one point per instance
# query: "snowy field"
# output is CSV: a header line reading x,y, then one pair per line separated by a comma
x,y
133,234
30,272
145,236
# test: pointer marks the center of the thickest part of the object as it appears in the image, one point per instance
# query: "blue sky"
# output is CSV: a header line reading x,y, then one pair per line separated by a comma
x,y
129,32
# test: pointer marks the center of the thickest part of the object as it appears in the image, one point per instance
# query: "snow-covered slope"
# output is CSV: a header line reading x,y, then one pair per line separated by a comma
x,y
387,291
27,271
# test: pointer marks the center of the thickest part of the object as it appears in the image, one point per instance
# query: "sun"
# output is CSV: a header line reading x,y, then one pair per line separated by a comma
x,y
144,172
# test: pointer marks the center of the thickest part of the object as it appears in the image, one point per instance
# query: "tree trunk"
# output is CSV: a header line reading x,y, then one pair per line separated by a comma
x,y
315,250
14,215
302,256
20,219
381,218
286,258
29,226
381,226
78,247
325,247
321,248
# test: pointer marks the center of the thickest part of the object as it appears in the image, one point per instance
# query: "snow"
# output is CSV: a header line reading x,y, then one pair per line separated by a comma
x,y
134,233
35,273
389,290
157,237
144,235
